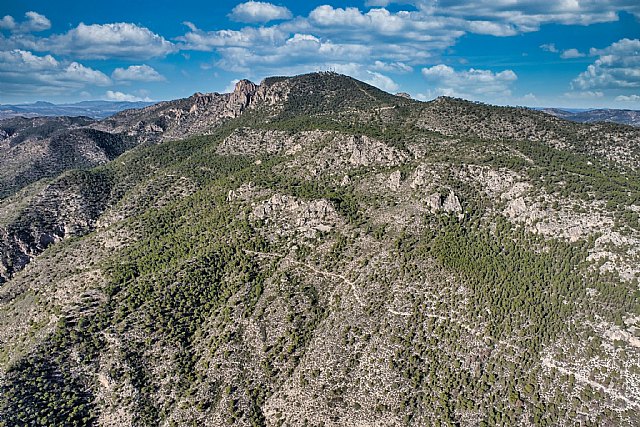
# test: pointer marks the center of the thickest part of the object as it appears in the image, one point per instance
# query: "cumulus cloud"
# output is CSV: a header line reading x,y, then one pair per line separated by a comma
x,y
526,15
121,96
300,50
259,12
35,22
118,40
393,67
394,41
197,39
617,67
571,53
22,72
628,98
471,83
549,47
139,73
381,81
7,23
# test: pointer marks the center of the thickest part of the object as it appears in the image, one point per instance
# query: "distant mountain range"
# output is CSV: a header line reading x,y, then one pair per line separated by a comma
x,y
625,117
93,109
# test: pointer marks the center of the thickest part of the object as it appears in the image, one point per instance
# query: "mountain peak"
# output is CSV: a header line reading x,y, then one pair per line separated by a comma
x,y
245,87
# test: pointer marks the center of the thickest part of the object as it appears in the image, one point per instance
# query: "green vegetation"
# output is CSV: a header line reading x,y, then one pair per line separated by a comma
x,y
193,307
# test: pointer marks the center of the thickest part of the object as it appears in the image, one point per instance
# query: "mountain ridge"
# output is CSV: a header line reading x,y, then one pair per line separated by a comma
x,y
343,257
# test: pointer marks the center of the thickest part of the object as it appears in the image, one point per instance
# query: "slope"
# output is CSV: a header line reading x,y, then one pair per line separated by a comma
x,y
345,266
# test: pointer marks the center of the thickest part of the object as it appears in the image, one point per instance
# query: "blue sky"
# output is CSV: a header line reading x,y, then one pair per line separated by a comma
x,y
565,53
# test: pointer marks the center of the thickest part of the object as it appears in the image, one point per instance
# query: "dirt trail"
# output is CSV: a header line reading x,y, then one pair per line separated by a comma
x,y
315,270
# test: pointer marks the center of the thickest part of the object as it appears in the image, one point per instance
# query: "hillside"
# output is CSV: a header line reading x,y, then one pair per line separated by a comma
x,y
312,251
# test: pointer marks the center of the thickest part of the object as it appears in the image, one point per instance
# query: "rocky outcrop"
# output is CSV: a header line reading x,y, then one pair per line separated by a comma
x,y
434,202
394,181
256,142
241,98
272,93
366,151
292,215
419,177
70,206
452,203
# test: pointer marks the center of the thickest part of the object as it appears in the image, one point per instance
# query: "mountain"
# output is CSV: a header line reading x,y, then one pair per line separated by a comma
x,y
93,109
626,117
314,251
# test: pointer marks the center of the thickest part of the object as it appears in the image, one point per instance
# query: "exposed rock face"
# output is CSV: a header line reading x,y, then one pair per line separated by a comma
x,y
419,177
241,97
198,114
434,202
516,207
452,204
272,94
67,207
394,181
291,215
253,142
366,151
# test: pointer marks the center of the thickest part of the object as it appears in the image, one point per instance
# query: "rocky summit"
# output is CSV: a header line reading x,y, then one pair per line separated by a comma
x,y
313,251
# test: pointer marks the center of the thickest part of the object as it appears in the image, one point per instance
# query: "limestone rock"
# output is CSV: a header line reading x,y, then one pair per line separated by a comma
x,y
394,181
290,215
419,177
434,202
452,204
516,207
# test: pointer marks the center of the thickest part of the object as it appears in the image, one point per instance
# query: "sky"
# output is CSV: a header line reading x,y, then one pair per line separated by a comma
x,y
538,53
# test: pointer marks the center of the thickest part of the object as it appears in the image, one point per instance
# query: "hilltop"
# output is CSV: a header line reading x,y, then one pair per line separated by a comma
x,y
311,250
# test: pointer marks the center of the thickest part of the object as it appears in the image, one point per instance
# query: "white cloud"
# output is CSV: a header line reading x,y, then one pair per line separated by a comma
x,y
549,47
586,94
120,96
628,98
393,67
257,11
22,72
118,40
300,50
35,22
197,39
617,67
381,81
571,53
7,23
231,86
471,83
140,73
377,3
529,15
